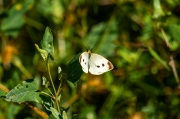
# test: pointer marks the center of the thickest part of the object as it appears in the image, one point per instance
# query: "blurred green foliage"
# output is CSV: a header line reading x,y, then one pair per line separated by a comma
x,y
140,38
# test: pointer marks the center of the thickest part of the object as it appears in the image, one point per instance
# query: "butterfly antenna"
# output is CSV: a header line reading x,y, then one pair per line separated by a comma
x,y
91,47
86,46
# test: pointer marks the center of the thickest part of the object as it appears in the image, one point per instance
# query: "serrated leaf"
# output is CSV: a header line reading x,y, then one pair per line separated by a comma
x,y
47,41
55,113
74,69
15,20
26,91
102,36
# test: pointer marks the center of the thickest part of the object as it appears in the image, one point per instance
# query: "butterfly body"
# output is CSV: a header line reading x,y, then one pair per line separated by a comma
x,y
94,63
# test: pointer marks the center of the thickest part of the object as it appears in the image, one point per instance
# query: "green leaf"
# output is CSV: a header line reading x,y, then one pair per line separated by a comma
x,y
158,11
47,103
60,73
74,69
47,41
174,31
129,56
12,110
43,53
59,98
59,70
45,82
55,113
64,115
55,9
157,57
26,91
12,24
102,36
64,109
89,110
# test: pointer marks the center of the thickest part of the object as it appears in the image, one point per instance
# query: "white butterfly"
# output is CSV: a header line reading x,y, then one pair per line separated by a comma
x,y
94,63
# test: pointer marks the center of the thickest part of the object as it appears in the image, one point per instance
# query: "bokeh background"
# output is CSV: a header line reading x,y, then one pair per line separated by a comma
x,y
140,37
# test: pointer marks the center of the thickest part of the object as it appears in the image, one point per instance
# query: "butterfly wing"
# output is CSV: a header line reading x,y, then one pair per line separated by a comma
x,y
99,64
83,59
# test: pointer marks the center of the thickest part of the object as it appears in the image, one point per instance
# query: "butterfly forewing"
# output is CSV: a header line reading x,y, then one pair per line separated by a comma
x,y
99,64
83,59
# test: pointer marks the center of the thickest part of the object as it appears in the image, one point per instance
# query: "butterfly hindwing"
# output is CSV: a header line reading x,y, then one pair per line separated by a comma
x,y
99,64
83,59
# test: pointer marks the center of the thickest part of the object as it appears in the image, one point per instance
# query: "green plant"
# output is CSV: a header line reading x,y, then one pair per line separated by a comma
x,y
140,38
28,89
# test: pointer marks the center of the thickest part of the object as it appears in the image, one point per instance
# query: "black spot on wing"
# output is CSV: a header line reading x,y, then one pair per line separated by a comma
x,y
110,65
83,60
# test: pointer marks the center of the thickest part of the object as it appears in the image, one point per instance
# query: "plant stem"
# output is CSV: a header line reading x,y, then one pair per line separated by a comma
x,y
5,89
46,94
50,91
173,66
57,103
